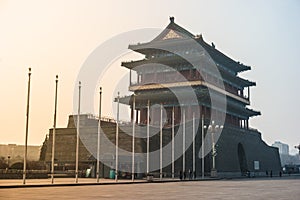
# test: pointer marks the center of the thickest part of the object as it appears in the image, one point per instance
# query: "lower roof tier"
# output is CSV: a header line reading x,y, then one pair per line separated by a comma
x,y
183,97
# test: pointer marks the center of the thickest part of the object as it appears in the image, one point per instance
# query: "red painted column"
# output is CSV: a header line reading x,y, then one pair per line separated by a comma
x,y
137,116
131,114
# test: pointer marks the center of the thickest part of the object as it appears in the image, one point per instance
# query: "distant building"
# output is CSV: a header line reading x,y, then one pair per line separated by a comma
x,y
14,153
283,148
285,157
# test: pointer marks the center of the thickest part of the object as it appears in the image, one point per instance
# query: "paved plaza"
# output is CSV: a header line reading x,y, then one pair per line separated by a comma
x,y
253,188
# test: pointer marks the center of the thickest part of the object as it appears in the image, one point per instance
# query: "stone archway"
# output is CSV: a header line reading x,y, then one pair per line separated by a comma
x,y
242,159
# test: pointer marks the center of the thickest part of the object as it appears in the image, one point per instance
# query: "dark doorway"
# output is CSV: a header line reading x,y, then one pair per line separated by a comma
x,y
17,165
242,159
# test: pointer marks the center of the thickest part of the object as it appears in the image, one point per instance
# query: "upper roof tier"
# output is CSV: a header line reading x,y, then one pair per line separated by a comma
x,y
170,61
174,32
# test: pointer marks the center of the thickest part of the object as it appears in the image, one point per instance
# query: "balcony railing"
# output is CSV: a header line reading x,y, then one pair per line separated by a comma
x,y
163,81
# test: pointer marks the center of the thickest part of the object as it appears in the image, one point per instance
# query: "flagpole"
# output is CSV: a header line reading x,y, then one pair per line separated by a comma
x,y
27,126
194,164
77,138
148,134
202,146
133,139
99,135
173,134
117,139
160,147
183,143
54,132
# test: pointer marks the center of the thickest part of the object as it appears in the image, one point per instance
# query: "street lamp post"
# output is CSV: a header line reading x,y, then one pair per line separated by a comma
x,y
183,145
78,134
99,138
148,135
160,143
117,138
54,130
173,142
202,146
27,125
213,128
194,160
133,139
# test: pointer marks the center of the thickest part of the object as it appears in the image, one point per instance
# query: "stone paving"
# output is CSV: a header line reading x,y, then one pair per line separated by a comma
x,y
252,188
29,182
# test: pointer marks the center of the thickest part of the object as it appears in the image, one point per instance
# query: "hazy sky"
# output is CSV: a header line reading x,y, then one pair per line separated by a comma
x,y
55,37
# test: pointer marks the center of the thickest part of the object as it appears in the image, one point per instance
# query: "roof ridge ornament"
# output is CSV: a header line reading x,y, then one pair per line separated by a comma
x,y
213,45
172,19
199,36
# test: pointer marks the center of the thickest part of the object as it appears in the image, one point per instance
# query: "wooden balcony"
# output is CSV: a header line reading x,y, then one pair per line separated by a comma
x,y
183,82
